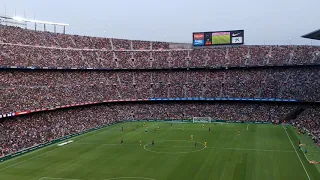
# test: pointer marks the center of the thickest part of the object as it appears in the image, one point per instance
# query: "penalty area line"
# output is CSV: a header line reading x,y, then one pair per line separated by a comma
x,y
296,153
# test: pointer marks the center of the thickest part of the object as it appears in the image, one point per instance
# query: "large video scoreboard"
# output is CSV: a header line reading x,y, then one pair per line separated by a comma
x,y
216,38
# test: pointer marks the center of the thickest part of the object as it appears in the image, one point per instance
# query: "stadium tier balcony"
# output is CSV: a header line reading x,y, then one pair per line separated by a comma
x,y
32,56
141,45
217,57
27,90
198,58
238,56
160,60
16,35
160,45
141,60
39,52
121,44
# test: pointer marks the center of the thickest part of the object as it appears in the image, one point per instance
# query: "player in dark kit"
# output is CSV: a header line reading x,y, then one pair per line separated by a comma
x,y
195,144
209,129
121,141
152,142
122,129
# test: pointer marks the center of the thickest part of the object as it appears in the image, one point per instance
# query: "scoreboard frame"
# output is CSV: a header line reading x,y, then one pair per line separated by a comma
x,y
200,39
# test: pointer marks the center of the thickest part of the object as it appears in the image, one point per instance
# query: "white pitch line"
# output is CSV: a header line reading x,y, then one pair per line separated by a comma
x,y
296,153
144,147
38,155
111,157
244,149
99,144
88,143
306,157
95,133
223,148
28,159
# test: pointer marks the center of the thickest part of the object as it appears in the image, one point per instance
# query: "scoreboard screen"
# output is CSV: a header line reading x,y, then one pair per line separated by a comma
x,y
218,38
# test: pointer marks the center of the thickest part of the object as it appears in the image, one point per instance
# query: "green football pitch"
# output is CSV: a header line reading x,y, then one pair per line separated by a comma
x,y
260,152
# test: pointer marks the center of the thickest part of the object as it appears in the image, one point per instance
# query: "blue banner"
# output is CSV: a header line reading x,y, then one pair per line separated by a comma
x,y
223,99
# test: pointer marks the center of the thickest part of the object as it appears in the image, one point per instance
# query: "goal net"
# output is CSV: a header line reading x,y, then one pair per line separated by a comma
x,y
201,119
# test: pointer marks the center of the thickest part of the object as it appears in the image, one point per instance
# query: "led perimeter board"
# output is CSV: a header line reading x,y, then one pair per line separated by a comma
x,y
216,38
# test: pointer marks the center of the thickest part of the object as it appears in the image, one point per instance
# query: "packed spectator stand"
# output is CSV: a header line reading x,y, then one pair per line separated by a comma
x,y
309,122
27,48
83,70
29,89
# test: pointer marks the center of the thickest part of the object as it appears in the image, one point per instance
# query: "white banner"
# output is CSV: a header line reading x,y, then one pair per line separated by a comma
x,y
237,40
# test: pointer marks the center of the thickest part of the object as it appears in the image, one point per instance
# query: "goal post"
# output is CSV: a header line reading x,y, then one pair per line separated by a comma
x,y
201,119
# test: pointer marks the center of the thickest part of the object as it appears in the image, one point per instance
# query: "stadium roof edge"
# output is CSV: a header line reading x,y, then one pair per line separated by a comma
x,y
313,35
37,21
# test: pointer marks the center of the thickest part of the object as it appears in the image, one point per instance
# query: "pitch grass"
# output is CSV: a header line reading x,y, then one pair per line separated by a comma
x,y
313,149
261,152
222,39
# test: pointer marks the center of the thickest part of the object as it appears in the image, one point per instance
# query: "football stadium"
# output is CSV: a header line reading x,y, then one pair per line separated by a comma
x,y
78,107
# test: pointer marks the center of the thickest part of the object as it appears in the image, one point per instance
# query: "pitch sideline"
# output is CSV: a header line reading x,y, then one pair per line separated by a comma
x,y
296,152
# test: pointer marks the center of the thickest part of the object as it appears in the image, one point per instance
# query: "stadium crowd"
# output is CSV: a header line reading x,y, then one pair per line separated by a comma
x,y
33,56
27,48
30,89
22,90
19,36
25,131
309,120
